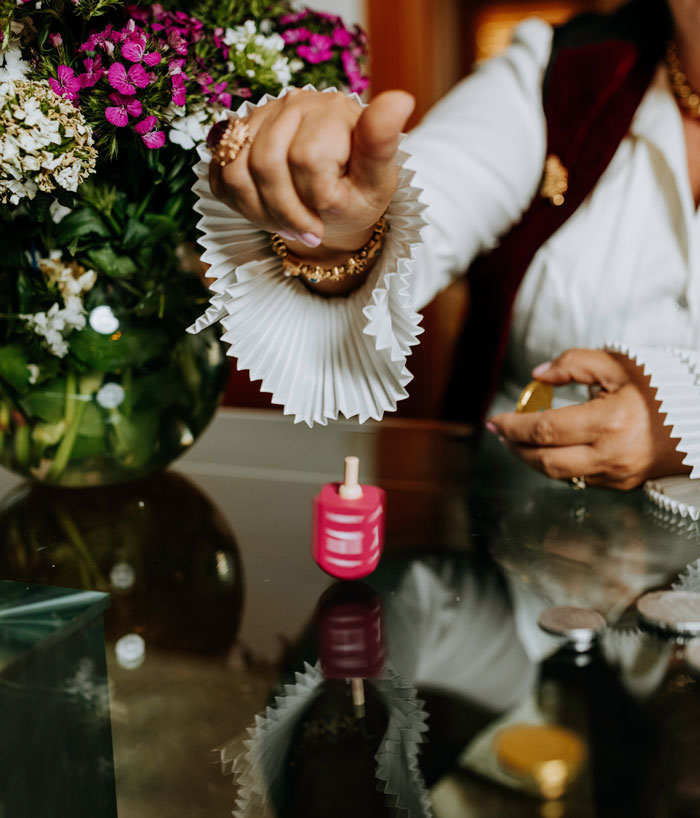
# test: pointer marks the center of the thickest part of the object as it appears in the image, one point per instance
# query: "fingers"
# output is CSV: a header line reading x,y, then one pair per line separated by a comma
x,y
569,426
318,158
560,463
586,366
268,166
376,138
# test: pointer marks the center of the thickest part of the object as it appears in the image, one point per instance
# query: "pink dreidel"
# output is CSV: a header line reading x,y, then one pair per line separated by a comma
x,y
351,637
348,526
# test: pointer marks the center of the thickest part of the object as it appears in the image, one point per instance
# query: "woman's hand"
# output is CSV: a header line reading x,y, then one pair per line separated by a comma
x,y
321,170
617,439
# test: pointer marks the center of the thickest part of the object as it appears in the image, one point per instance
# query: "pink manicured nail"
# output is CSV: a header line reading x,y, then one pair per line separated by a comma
x,y
491,427
288,235
310,239
541,369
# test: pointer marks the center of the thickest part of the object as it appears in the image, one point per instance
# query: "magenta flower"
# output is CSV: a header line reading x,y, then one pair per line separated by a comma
x,y
175,66
296,35
134,49
67,85
151,59
291,19
127,82
341,37
93,72
179,94
123,107
318,50
152,138
176,42
243,93
358,82
56,40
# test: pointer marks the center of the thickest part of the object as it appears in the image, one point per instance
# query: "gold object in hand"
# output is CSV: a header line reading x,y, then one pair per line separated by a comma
x,y
536,397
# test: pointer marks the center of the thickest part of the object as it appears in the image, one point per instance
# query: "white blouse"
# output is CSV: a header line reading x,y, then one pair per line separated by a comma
x,y
622,272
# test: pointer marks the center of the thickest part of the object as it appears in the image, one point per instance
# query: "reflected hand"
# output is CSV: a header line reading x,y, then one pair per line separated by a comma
x,y
617,439
321,168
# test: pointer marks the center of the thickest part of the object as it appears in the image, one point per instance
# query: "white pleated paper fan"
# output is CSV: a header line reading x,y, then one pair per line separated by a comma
x,y
318,357
258,758
677,495
675,380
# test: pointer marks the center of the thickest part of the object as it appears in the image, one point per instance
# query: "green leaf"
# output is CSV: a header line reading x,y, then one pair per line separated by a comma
x,y
136,234
108,262
25,293
47,402
111,353
13,366
82,222
133,439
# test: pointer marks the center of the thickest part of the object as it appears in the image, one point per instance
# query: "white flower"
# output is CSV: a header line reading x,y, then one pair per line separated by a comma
x,y
266,26
13,66
45,142
58,212
296,65
281,69
110,396
33,373
188,131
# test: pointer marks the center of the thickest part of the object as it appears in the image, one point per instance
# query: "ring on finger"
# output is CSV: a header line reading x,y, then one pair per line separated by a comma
x,y
228,141
578,483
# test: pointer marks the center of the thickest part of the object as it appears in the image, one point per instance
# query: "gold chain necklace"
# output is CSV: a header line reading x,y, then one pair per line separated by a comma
x,y
688,98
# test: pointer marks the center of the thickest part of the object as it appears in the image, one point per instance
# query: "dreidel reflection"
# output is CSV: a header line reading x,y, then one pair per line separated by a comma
x,y
348,525
351,637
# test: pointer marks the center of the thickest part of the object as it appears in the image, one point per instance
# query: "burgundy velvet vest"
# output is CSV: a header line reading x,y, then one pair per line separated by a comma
x,y
599,70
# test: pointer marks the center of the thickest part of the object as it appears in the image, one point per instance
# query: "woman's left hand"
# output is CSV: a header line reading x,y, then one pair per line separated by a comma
x,y
617,439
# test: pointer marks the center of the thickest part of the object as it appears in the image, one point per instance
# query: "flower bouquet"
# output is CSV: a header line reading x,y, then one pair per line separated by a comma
x,y
102,107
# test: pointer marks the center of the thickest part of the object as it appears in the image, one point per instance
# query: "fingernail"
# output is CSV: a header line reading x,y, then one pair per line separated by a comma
x,y
288,235
541,369
491,427
310,239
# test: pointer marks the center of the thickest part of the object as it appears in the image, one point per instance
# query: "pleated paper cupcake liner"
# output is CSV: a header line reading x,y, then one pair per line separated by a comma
x,y
676,388
257,758
318,357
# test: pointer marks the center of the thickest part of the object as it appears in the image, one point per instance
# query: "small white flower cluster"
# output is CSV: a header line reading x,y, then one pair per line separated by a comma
x,y
190,130
44,141
259,50
72,281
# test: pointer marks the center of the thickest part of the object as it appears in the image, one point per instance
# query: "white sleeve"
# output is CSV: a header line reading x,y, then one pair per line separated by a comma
x,y
479,156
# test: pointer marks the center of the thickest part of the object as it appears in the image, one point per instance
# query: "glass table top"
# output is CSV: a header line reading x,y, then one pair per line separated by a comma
x,y
243,679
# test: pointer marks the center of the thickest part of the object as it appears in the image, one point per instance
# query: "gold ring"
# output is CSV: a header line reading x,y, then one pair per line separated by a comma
x,y
235,137
578,483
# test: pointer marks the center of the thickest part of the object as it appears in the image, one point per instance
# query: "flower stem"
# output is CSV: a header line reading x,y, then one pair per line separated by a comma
x,y
66,446
22,445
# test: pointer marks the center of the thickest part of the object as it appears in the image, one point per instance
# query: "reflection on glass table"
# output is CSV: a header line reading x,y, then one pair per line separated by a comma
x,y
205,629
55,737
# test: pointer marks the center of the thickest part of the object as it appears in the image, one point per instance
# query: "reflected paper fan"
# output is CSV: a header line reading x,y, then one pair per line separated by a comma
x,y
318,357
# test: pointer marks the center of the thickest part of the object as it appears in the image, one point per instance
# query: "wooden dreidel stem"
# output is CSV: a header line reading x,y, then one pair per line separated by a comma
x,y
350,488
358,697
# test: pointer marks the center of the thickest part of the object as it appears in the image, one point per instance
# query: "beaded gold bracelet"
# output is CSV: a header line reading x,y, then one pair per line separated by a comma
x,y
313,273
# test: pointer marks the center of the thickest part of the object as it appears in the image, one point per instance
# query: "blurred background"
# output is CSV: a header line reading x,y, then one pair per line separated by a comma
x,y
424,47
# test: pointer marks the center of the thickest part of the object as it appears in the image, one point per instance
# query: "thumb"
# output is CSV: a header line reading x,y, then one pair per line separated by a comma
x,y
376,138
586,366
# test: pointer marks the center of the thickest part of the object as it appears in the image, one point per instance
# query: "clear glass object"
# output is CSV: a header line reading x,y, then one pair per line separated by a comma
x,y
127,401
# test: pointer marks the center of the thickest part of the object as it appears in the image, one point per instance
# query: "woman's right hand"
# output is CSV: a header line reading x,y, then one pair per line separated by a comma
x,y
321,170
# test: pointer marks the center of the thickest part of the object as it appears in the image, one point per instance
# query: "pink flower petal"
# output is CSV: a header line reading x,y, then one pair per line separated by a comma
x,y
152,59
147,124
118,79
154,139
134,107
139,76
133,51
117,115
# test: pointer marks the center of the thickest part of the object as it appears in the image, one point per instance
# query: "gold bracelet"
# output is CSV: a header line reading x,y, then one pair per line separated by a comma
x,y
313,273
